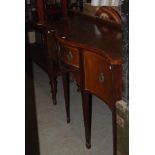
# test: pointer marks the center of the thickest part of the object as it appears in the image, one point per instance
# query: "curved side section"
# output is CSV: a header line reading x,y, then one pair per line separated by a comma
x,y
100,52
98,77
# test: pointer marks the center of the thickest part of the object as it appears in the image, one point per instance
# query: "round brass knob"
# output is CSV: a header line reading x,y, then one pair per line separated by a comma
x,y
63,37
101,77
70,56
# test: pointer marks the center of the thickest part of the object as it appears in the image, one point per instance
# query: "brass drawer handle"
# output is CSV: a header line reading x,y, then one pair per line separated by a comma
x,y
101,77
69,56
49,31
63,37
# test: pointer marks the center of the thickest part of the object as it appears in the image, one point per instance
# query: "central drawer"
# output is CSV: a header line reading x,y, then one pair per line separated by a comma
x,y
70,56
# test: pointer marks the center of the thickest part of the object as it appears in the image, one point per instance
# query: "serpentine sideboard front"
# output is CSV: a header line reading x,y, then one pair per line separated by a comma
x,y
90,49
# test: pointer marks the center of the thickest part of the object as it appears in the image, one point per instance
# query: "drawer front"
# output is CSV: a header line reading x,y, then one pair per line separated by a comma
x,y
70,56
98,76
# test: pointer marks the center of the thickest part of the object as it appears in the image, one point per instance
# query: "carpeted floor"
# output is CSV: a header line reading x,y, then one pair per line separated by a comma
x,y
56,137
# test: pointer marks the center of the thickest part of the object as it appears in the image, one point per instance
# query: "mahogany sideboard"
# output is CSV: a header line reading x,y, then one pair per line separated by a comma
x,y
90,49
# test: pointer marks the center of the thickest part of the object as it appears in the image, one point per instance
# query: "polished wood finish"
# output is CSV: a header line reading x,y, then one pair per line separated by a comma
x,y
69,58
92,33
103,82
100,81
87,115
90,49
100,60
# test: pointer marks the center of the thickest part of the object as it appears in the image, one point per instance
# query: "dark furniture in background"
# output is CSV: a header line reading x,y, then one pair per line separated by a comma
x,y
49,8
54,9
44,53
44,46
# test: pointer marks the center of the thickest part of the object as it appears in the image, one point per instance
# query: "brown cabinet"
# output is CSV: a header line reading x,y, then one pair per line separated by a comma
x,y
94,57
98,76
81,46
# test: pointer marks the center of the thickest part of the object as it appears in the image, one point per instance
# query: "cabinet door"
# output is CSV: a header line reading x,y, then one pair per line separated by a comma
x,y
98,76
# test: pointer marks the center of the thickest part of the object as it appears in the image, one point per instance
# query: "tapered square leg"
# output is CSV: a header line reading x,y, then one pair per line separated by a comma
x,y
52,74
65,79
53,84
87,114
